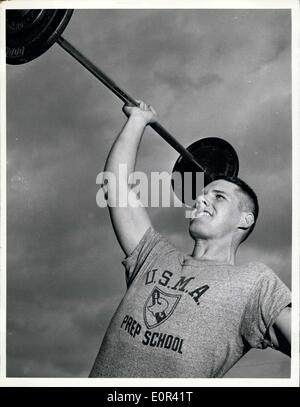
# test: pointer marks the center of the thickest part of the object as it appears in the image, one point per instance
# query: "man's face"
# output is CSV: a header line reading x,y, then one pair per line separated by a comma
x,y
217,211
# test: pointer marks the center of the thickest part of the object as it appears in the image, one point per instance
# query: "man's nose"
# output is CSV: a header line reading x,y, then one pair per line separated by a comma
x,y
202,200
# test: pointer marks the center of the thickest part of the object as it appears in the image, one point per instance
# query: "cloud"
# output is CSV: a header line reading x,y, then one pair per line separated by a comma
x,y
180,81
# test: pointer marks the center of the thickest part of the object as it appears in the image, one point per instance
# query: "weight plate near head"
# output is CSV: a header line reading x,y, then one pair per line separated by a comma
x,y
215,155
30,33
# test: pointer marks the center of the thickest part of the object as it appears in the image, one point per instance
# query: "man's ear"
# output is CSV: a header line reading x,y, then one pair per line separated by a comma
x,y
246,221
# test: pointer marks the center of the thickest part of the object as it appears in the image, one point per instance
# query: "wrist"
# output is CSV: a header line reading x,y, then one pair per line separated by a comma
x,y
138,120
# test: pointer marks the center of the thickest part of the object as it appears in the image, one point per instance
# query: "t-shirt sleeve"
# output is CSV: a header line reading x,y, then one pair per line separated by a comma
x,y
268,297
150,246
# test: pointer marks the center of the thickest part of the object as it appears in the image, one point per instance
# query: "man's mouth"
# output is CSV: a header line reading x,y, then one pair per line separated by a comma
x,y
201,213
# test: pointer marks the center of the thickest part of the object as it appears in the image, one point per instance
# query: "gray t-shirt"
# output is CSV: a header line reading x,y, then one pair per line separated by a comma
x,y
182,317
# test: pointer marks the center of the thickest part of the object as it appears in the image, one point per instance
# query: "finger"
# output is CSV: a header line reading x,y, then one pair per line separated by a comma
x,y
127,105
152,110
127,109
140,103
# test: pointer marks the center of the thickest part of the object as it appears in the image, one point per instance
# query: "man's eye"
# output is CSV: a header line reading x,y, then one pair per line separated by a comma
x,y
218,196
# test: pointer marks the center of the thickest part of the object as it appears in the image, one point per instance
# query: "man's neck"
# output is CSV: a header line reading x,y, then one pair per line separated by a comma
x,y
215,250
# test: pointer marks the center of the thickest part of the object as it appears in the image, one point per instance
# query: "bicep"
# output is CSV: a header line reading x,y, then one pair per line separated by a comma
x,y
280,332
130,223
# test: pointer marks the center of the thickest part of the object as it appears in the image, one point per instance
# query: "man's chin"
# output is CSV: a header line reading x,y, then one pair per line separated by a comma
x,y
201,219
197,233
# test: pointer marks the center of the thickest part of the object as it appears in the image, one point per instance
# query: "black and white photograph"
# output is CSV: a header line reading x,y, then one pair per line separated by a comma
x,y
150,191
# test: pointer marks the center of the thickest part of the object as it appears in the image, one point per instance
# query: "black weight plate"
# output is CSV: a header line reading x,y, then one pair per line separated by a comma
x,y
30,33
215,155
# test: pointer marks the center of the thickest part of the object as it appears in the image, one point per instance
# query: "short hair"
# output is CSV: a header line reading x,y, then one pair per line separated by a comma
x,y
244,189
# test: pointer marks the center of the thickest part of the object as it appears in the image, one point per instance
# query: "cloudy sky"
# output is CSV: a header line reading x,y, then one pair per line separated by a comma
x,y
223,73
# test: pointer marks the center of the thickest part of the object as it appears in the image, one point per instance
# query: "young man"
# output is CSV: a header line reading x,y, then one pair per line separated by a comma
x,y
188,315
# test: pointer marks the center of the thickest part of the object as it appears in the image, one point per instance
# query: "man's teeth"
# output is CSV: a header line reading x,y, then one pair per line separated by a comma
x,y
200,214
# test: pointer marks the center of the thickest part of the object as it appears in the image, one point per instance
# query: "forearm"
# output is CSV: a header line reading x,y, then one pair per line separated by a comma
x,y
125,147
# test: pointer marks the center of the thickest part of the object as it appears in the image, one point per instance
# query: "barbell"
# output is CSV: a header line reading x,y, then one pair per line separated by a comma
x,y
30,33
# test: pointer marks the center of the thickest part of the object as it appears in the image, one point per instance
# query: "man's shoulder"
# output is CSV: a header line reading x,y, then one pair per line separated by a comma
x,y
253,271
257,267
156,243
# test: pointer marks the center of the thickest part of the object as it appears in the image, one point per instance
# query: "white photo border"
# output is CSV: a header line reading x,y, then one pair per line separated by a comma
x,y
293,381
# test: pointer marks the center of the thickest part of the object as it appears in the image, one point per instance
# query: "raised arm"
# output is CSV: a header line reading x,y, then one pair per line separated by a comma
x,y
129,222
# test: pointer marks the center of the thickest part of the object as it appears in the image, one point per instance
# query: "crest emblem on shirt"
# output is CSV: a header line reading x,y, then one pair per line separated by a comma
x,y
159,307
